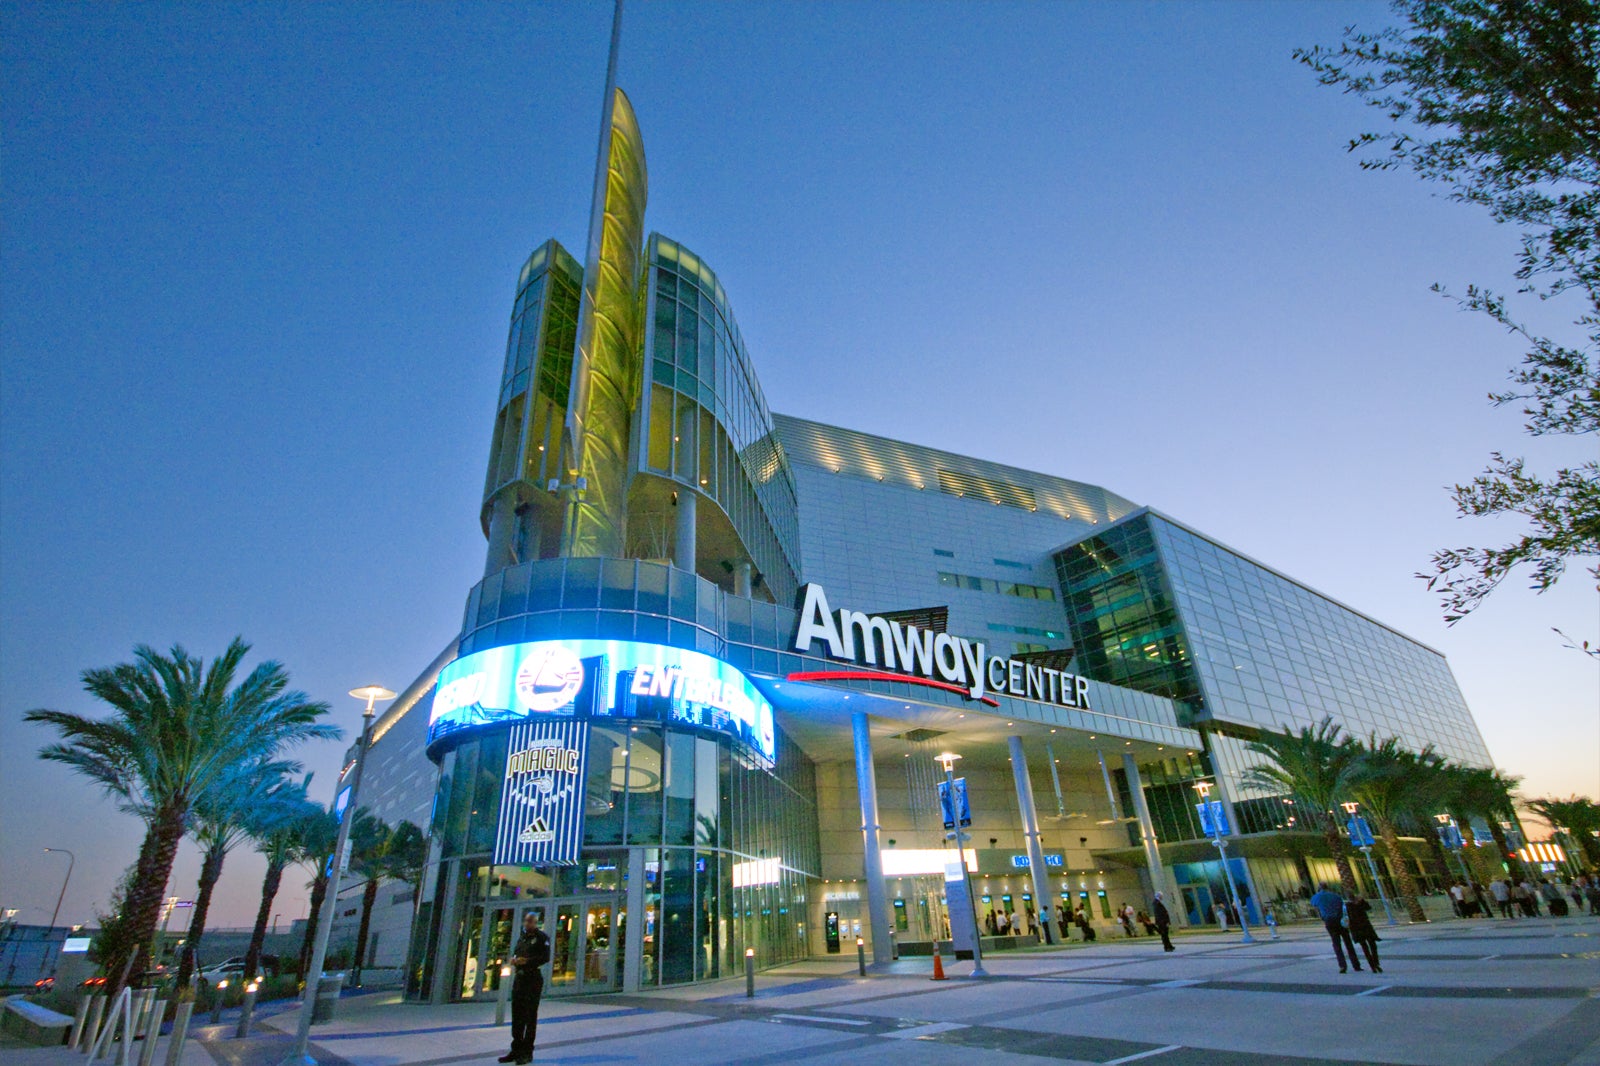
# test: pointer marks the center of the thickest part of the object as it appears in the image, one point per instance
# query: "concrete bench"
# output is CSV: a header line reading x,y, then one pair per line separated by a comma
x,y
34,1024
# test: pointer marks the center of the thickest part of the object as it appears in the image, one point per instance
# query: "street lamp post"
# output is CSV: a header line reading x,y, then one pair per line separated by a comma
x,y
298,1055
1363,842
1204,788
948,759
72,860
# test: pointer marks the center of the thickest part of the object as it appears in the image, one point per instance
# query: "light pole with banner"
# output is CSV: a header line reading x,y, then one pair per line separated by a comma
x,y
1214,823
298,1055
1361,836
957,816
1450,837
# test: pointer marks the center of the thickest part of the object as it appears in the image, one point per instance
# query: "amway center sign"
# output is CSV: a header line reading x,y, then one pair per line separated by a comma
x,y
924,657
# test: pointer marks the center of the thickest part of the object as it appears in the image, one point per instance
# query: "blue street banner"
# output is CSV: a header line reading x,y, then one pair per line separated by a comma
x,y
1450,836
541,799
961,804
1360,832
1213,818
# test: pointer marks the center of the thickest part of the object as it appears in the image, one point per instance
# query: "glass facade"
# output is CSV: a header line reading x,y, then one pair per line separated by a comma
x,y
1123,615
706,424
724,848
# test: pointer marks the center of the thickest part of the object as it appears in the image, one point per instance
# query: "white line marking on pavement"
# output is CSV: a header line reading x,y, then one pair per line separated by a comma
x,y
816,1018
1142,1055
920,1031
1486,958
1374,990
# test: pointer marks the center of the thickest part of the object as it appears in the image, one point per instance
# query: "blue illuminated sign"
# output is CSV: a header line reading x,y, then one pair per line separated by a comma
x,y
600,679
1360,832
1022,862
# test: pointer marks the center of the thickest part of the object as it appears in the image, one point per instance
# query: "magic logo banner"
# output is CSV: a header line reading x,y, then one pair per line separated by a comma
x,y
541,799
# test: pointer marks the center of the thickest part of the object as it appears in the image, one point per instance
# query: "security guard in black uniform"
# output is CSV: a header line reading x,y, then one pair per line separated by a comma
x,y
532,952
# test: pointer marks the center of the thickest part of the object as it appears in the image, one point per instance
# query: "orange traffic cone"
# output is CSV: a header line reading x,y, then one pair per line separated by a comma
x,y
938,965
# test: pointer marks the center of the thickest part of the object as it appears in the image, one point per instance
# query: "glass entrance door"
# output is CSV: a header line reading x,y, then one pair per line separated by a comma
x,y
583,946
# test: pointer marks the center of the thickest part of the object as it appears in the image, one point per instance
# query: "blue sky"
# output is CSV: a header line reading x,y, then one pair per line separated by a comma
x,y
258,267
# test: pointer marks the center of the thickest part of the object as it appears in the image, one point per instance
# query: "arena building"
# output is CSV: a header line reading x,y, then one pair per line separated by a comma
x,y
696,702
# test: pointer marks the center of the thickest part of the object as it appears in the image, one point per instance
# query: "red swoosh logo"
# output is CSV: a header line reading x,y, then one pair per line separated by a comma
x,y
878,675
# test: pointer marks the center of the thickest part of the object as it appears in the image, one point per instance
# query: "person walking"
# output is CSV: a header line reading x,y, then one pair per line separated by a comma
x,y
1501,891
1163,922
1330,906
532,952
1125,916
1359,913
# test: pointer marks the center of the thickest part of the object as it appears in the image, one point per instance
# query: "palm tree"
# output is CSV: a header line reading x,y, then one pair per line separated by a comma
x,y
223,816
1388,784
318,837
1579,816
1487,793
1317,767
178,727
280,836
369,840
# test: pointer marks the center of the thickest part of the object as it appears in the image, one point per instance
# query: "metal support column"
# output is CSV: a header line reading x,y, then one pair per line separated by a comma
x,y
1147,836
872,843
741,578
684,547
1030,831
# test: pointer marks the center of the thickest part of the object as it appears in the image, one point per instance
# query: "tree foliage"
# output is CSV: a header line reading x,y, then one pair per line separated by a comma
x,y
1499,101
178,728
1317,766
1578,816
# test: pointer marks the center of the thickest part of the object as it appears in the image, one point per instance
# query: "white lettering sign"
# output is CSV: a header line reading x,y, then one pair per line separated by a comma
x,y
872,640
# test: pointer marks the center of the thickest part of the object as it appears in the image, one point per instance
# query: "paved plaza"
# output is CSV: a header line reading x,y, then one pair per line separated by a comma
x,y
1455,993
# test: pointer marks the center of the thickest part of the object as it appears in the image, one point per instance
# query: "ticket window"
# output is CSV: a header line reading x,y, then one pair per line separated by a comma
x,y
901,921
1005,903
830,931
1083,901
1105,904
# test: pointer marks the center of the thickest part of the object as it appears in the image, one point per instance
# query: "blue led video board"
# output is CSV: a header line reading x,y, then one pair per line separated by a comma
x,y
595,679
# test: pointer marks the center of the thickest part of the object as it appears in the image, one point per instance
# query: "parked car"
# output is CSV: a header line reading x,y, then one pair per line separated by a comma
x,y
230,969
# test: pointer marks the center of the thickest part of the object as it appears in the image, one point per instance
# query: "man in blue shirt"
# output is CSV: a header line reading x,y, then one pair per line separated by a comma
x,y
1330,905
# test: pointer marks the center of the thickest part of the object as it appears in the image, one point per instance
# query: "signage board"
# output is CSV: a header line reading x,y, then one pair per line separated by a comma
x,y
920,657
958,806
1450,836
74,945
1213,818
1360,832
592,679
541,798
958,905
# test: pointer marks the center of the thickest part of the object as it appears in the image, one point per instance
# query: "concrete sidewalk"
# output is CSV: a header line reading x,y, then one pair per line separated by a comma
x,y
1454,993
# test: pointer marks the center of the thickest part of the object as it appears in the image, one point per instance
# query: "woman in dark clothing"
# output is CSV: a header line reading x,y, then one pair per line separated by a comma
x,y
1358,914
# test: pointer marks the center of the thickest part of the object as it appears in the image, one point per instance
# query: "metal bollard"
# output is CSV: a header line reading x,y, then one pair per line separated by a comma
x,y
180,1032
749,973
78,1020
505,991
861,956
216,1001
152,1031
141,1013
97,1010
246,1008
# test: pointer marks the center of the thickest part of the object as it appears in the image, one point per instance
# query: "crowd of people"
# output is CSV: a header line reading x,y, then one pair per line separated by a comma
x,y
1528,898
